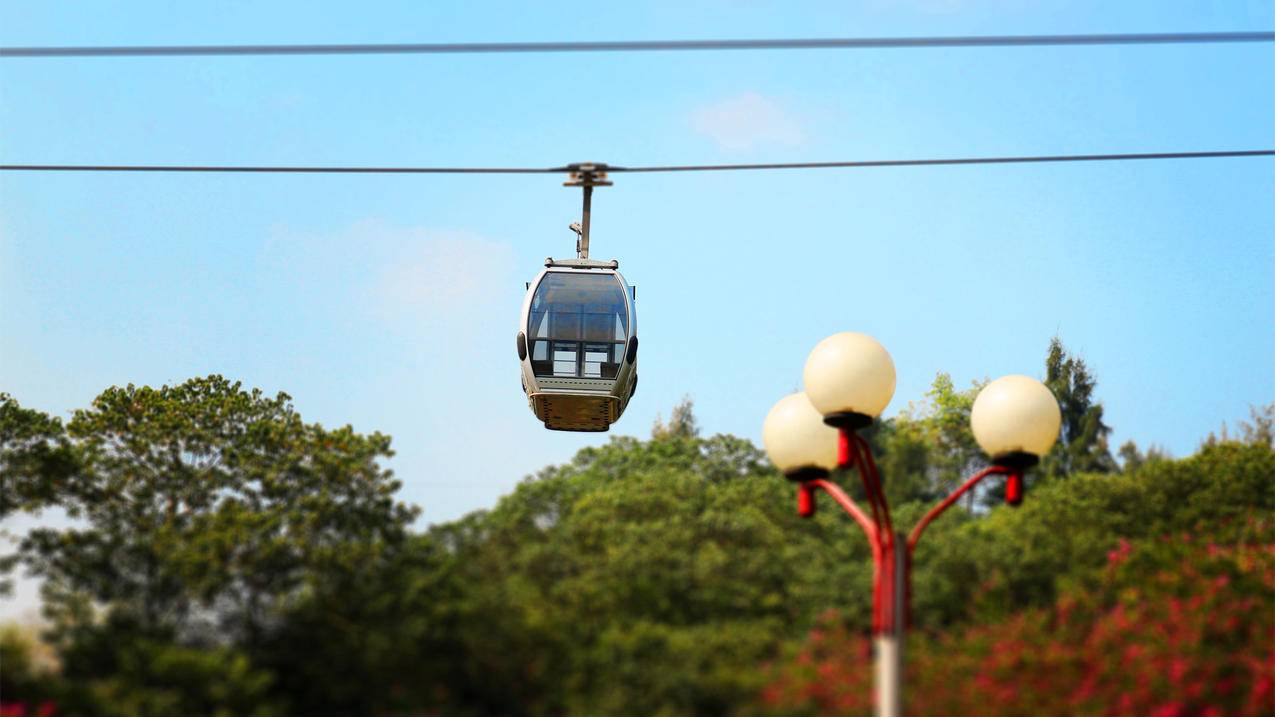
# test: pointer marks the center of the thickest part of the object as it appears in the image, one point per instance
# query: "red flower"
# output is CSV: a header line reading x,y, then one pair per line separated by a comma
x,y
1172,709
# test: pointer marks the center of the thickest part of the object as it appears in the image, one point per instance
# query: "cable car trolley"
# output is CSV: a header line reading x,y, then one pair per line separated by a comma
x,y
577,338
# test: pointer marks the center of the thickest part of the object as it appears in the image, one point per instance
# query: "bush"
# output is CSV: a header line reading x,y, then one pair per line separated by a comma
x,y
113,672
1171,626
29,685
1015,558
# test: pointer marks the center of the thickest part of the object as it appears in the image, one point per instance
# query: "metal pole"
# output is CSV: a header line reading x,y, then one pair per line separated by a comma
x,y
890,641
902,580
887,648
892,555
584,223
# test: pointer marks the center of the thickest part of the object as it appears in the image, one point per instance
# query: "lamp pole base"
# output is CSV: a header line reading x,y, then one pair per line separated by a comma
x,y
889,677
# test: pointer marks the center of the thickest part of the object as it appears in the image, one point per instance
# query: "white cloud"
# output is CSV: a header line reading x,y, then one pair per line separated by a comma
x,y
384,271
928,6
444,272
747,121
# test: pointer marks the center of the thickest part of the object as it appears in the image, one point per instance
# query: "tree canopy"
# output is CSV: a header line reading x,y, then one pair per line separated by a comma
x,y
226,557
1082,447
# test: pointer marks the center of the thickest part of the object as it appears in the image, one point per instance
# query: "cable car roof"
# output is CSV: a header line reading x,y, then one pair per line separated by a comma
x,y
581,263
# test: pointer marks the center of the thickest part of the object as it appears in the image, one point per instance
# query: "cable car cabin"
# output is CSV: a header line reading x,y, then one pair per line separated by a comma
x,y
578,345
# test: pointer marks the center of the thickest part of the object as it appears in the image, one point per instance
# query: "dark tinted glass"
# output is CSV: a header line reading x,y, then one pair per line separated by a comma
x,y
578,325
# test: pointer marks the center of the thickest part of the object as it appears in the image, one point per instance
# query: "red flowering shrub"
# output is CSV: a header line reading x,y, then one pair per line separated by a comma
x,y
1173,627
22,709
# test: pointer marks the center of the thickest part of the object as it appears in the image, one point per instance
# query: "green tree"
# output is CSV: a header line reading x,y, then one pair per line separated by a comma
x,y
36,459
27,677
117,668
928,449
231,559
1082,445
904,455
385,637
1172,625
203,511
1020,557
956,453
681,422
1132,458
640,578
1259,430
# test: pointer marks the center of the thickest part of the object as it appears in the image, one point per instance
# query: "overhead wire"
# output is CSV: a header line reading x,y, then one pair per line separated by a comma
x,y
249,169
1030,159
638,46
852,164
834,43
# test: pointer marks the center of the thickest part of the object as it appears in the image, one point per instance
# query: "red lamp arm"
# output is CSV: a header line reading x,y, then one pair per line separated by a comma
x,y
937,510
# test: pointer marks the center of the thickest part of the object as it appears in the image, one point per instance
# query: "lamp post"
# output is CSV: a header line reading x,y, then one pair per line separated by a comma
x,y
850,379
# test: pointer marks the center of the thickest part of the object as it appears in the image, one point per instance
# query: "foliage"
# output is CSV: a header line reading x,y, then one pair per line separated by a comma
x,y
1177,625
1259,429
956,453
681,422
929,449
644,577
120,669
1018,557
1132,458
204,501
382,637
28,683
35,458
1082,447
231,559
202,513
113,670
903,454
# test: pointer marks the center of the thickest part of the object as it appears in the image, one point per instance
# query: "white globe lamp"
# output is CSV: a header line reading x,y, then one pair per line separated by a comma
x,y
798,442
1015,419
850,379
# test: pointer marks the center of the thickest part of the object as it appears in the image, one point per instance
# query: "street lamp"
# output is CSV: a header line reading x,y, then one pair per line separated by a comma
x,y
797,441
1015,420
850,380
800,445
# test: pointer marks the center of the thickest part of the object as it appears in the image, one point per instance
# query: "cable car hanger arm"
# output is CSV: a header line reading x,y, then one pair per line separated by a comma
x,y
585,175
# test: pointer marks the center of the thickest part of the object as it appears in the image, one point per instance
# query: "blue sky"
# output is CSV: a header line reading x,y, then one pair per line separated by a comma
x,y
391,302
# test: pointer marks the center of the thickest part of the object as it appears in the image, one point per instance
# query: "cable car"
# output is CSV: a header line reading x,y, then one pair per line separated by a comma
x,y
577,340
578,344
